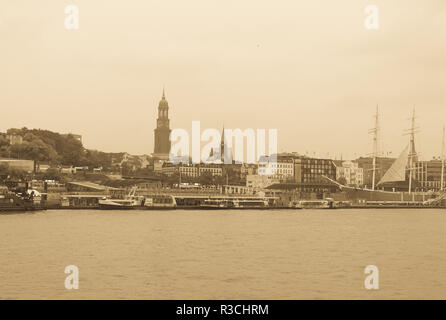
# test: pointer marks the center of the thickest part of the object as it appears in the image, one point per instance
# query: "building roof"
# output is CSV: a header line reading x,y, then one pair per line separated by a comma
x,y
91,185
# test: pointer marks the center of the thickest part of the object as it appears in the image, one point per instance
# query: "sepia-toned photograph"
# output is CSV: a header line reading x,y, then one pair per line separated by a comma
x,y
249,150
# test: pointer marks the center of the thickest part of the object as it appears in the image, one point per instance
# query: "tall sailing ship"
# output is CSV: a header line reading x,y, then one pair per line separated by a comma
x,y
398,184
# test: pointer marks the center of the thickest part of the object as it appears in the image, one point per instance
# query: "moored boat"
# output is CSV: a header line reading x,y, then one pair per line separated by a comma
x,y
119,204
158,201
28,200
312,204
131,201
235,203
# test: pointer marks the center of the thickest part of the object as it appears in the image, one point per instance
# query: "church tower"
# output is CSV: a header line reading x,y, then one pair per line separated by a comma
x,y
162,131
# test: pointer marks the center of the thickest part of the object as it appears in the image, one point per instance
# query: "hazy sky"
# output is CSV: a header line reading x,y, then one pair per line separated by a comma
x,y
307,68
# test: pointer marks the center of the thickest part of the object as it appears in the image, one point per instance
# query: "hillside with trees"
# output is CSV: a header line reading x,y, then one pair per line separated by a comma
x,y
49,147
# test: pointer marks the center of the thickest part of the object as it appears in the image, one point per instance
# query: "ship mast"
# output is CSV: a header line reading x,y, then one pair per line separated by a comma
x,y
412,152
443,151
375,132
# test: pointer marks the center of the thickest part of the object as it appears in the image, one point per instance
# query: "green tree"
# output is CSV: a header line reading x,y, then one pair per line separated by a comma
x,y
206,178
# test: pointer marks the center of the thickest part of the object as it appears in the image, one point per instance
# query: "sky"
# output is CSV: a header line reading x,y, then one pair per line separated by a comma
x,y
307,68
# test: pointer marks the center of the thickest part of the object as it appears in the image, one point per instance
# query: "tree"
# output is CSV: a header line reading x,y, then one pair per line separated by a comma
x,y
52,174
4,171
3,141
342,181
206,178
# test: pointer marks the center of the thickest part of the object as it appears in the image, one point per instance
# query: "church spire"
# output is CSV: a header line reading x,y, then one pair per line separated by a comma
x,y
162,131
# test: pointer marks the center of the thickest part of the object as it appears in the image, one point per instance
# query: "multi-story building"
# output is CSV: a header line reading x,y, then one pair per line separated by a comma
x,y
248,169
428,174
189,170
195,170
301,174
282,169
169,169
311,170
351,173
213,169
309,180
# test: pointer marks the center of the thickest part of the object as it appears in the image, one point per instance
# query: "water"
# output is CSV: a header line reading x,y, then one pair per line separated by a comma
x,y
306,254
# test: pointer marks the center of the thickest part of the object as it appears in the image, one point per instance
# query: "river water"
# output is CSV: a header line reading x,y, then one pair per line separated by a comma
x,y
302,254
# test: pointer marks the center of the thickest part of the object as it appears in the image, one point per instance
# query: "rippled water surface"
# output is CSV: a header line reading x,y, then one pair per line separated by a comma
x,y
306,254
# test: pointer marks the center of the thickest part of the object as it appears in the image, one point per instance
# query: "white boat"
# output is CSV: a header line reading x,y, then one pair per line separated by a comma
x,y
119,203
129,202
312,204
235,203
159,201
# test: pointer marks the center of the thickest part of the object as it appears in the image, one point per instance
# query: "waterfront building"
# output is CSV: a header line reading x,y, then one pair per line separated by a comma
x,y
162,131
86,186
41,167
18,164
67,170
168,168
248,169
299,174
428,174
189,170
311,170
158,166
350,172
310,176
213,169
302,176
258,182
231,189
282,169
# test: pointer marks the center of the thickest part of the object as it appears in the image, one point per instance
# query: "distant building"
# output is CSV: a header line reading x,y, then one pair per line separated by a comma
x,y
84,186
350,171
162,131
169,169
312,170
248,169
301,175
42,167
17,164
213,169
189,170
428,174
282,169
258,182
158,166
68,170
